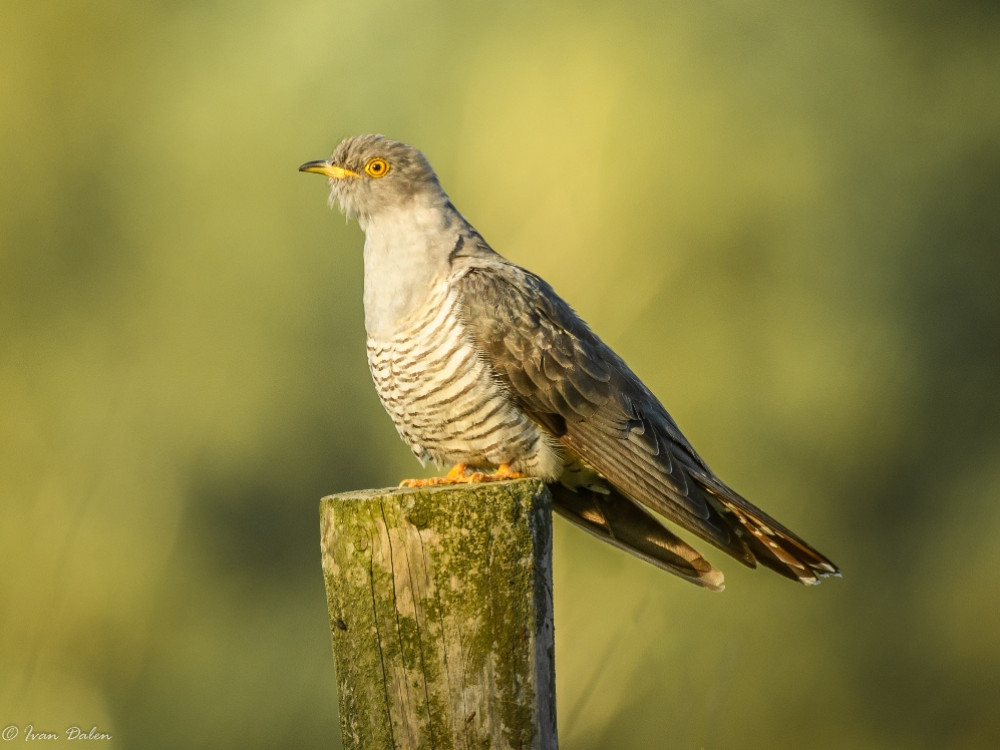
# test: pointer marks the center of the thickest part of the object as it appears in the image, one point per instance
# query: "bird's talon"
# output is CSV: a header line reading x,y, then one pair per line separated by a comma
x,y
457,475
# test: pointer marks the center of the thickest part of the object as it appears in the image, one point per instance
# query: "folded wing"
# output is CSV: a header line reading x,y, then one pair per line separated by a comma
x,y
566,379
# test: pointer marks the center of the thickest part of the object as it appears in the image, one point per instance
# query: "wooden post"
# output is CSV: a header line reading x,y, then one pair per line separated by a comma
x,y
440,605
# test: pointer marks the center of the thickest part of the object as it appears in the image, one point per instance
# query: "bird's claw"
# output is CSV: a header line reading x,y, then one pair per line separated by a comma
x,y
457,475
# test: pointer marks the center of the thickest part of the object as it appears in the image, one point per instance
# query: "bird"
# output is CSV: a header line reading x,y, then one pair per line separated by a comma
x,y
483,367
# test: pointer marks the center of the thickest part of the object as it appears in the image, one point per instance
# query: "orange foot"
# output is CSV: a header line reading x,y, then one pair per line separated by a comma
x,y
457,475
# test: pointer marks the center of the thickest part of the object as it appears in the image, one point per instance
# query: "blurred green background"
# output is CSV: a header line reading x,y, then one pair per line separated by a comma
x,y
785,217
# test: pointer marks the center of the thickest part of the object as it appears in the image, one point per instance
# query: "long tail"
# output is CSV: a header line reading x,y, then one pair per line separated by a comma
x,y
626,524
772,544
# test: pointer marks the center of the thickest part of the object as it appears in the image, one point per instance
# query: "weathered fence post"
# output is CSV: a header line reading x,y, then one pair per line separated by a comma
x,y
440,605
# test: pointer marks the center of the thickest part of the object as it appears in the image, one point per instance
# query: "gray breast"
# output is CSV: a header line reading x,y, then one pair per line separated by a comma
x,y
445,401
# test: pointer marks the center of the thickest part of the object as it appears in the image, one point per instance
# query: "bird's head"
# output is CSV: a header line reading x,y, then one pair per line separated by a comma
x,y
370,173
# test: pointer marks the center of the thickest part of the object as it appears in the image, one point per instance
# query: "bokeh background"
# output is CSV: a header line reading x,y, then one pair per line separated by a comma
x,y
786,217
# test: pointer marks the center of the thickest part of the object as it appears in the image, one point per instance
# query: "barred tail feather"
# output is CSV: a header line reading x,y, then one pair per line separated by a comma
x,y
773,545
624,523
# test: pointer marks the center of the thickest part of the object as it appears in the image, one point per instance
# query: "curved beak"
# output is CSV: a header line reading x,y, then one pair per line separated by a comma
x,y
328,168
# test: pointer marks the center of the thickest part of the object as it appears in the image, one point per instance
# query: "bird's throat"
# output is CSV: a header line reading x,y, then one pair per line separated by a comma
x,y
406,259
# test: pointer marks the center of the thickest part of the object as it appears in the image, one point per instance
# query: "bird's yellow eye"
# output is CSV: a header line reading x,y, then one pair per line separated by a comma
x,y
377,167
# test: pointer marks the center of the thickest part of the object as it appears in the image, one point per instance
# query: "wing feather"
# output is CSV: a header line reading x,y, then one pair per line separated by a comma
x,y
575,386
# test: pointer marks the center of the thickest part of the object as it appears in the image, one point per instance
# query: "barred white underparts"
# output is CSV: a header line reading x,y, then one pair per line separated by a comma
x,y
445,400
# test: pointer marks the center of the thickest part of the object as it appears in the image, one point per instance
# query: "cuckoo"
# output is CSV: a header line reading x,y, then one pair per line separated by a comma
x,y
484,368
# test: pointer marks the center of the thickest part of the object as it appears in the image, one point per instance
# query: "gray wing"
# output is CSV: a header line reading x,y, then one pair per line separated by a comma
x,y
575,386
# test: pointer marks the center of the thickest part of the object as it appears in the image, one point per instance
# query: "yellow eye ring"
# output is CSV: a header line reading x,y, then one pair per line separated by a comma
x,y
377,167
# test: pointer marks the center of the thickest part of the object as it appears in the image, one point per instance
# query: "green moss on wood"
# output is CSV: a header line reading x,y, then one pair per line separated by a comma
x,y
437,599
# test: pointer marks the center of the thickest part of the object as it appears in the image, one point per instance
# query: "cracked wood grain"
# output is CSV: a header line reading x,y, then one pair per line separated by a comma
x,y
440,604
